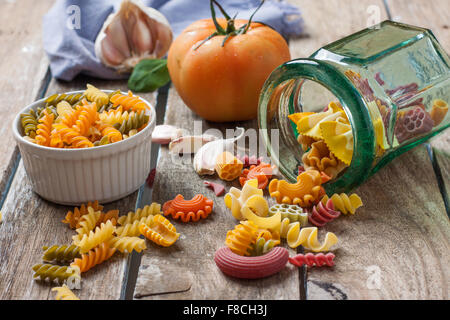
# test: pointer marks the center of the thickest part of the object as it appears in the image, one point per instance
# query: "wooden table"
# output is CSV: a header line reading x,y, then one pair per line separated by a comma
x,y
401,234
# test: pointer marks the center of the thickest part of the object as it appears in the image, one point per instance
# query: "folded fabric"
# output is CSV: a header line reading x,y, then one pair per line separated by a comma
x,y
71,27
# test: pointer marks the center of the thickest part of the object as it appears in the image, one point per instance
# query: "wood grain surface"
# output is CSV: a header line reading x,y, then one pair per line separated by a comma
x,y
29,222
187,269
395,247
24,65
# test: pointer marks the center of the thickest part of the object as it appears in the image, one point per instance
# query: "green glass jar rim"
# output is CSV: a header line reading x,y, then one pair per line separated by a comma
x,y
351,100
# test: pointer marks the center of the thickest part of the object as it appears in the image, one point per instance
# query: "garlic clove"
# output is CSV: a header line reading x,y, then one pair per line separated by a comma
x,y
164,134
189,144
205,158
133,33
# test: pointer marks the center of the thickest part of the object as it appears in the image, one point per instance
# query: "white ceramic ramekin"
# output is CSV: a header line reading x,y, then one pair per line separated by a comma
x,y
74,176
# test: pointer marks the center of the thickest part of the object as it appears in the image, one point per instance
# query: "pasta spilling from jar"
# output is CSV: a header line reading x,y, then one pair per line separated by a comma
x,y
85,120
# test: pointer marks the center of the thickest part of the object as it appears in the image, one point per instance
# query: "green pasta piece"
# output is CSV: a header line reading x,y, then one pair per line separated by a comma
x,y
104,140
134,121
29,123
73,98
261,247
53,272
61,253
50,110
291,211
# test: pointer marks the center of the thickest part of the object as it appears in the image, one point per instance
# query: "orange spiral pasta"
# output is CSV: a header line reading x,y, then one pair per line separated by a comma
x,y
128,102
72,137
160,231
93,257
44,129
199,207
241,238
87,117
112,133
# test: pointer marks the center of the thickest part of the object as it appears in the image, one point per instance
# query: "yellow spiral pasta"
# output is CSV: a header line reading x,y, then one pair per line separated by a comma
x,y
128,244
241,238
94,94
344,203
88,224
94,238
153,209
132,229
307,237
44,129
64,293
113,116
93,257
161,231
63,109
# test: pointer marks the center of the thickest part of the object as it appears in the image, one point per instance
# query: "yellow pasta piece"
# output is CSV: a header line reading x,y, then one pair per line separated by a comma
x,y
309,125
64,293
235,198
339,139
257,204
94,94
153,209
63,109
307,237
228,167
94,238
132,229
344,203
88,223
438,111
128,244
241,238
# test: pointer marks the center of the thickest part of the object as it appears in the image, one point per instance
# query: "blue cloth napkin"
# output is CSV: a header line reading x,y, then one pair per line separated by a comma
x,y
71,27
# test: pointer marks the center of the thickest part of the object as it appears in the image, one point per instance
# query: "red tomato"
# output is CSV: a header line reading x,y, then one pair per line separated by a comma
x,y
221,81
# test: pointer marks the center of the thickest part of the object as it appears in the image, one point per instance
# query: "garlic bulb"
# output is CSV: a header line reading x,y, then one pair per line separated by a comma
x,y
134,33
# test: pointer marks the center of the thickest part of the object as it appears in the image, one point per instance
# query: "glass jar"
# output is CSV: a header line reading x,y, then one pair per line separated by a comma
x,y
393,82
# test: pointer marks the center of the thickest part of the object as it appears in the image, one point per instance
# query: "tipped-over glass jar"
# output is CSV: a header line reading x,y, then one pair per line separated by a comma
x,y
393,83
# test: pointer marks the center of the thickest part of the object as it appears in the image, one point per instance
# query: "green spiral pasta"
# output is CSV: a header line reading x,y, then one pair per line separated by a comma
x,y
29,123
135,120
50,110
52,272
60,254
261,247
73,98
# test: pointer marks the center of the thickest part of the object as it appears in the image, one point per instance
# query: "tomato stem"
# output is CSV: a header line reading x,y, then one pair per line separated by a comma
x,y
231,29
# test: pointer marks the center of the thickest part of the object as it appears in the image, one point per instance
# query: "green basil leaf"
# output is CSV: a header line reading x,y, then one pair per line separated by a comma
x,y
149,75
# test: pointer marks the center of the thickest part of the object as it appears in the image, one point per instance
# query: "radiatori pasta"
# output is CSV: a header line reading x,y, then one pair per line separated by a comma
x,y
86,120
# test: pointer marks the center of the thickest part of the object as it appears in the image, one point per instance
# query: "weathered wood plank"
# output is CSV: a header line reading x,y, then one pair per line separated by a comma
x,y
31,222
402,230
23,64
187,269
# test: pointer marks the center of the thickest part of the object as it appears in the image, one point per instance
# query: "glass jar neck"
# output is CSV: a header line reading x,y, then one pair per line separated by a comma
x,y
279,98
